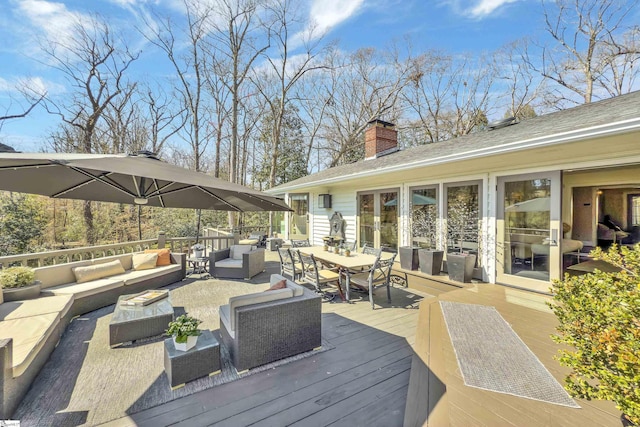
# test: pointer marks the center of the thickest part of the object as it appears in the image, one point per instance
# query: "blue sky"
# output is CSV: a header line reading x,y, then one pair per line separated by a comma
x,y
455,26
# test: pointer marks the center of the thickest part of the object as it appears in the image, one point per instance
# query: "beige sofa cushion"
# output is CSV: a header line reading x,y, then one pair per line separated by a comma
x,y
250,299
125,260
132,277
81,290
29,336
144,261
97,271
59,274
35,307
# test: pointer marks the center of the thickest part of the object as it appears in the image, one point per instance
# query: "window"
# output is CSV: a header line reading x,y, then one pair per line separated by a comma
x,y
634,209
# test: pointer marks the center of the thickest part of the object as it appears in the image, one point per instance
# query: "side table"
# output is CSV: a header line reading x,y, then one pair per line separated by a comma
x,y
201,360
199,266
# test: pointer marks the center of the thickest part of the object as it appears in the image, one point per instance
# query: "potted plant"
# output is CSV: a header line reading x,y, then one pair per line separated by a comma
x,y
198,250
184,331
424,227
598,316
462,226
18,283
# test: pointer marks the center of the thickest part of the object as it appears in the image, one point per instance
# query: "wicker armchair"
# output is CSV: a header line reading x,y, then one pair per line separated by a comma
x,y
268,326
244,265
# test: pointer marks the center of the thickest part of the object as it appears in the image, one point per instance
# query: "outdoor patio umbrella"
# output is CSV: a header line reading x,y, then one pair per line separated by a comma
x,y
134,179
417,200
540,204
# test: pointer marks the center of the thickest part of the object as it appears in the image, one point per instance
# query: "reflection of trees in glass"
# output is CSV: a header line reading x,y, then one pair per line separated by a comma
x,y
424,217
300,206
462,215
423,225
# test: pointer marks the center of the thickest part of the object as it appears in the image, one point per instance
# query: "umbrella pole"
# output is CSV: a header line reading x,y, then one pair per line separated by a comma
x,y
139,222
199,211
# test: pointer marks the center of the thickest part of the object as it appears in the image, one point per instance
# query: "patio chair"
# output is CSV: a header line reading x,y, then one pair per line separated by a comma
x,y
370,250
377,276
316,275
237,262
303,243
263,327
288,264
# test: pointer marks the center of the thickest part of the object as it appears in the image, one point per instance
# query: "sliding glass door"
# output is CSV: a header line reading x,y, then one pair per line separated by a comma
x,y
378,219
528,230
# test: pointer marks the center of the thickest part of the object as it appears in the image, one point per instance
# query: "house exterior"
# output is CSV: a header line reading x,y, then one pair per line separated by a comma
x,y
527,197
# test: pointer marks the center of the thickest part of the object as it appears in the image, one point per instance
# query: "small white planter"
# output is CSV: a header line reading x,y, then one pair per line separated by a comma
x,y
198,253
185,346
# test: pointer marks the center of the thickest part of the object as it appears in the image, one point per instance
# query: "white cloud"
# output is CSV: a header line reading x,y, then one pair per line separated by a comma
x,y
486,7
51,18
478,9
326,14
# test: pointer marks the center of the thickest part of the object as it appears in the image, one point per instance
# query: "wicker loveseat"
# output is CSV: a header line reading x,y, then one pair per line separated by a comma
x,y
236,262
267,326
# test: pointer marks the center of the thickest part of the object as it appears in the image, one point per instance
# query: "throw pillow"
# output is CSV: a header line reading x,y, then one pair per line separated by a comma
x,y
144,261
97,271
282,284
164,256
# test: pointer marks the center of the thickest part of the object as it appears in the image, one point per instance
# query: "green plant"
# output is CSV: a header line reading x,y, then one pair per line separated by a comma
x,y
182,327
16,277
599,316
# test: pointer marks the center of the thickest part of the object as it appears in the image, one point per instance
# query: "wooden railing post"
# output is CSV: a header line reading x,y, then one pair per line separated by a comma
x,y
162,239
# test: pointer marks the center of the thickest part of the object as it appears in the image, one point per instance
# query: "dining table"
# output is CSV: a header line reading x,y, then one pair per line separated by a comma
x,y
346,264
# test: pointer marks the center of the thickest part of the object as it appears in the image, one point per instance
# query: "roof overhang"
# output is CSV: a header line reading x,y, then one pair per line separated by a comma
x,y
610,129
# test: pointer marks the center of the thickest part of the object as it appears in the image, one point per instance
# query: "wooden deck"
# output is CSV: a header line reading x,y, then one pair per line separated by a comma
x,y
391,366
363,380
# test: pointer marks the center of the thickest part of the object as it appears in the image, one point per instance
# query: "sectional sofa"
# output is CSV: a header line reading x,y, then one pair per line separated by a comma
x,y
30,329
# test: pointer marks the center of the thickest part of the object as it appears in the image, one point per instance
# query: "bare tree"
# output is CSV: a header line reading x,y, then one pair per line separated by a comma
x,y
448,96
590,48
190,66
359,87
163,118
522,86
238,39
94,61
277,81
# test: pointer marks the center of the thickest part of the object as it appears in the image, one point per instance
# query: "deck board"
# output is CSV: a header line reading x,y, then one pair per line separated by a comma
x,y
368,377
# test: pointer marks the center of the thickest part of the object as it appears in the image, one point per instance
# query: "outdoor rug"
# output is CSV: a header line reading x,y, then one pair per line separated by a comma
x,y
85,382
491,356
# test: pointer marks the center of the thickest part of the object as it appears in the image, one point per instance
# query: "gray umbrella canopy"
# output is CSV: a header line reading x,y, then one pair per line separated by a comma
x,y
132,179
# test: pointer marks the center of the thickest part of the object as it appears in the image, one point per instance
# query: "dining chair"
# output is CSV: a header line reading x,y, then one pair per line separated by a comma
x,y
377,276
288,264
302,243
318,276
370,250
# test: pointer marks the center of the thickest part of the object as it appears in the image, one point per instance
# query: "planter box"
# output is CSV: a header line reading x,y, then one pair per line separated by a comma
x,y
430,261
409,257
18,294
460,266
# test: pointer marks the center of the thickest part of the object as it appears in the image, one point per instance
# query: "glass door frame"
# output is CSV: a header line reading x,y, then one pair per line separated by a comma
x,y
377,215
292,216
555,232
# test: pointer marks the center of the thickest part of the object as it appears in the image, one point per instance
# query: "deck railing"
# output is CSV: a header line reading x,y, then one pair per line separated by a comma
x,y
212,239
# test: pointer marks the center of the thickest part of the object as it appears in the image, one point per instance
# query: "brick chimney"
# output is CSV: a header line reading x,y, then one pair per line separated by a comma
x,y
380,138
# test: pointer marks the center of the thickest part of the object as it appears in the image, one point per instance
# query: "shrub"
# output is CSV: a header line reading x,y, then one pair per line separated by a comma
x,y
16,277
599,316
